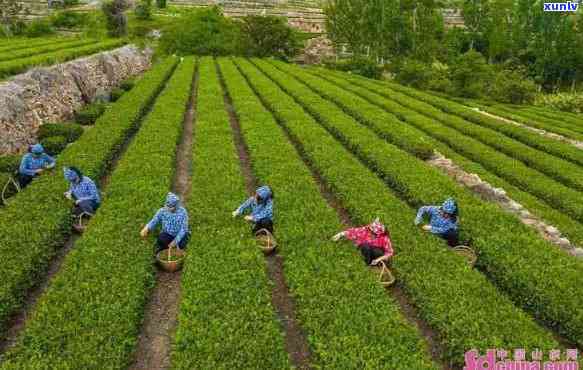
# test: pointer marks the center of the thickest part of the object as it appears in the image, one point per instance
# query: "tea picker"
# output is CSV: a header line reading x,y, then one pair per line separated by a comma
x,y
84,193
260,206
443,222
374,243
33,164
173,219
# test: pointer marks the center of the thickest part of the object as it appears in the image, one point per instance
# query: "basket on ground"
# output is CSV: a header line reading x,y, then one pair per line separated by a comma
x,y
81,222
468,253
386,277
170,259
265,241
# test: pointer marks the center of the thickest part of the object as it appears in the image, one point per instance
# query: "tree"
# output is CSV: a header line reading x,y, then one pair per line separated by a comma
x,y
268,36
114,11
9,12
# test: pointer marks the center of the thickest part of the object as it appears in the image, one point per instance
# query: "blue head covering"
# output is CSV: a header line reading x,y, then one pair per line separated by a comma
x,y
70,175
264,192
449,206
172,200
37,149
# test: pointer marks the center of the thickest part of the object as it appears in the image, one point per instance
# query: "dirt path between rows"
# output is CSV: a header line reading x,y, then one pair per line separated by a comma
x,y
296,343
17,323
161,311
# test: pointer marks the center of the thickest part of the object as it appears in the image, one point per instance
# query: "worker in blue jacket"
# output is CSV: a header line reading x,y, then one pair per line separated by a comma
x,y
83,191
173,219
443,221
261,209
33,164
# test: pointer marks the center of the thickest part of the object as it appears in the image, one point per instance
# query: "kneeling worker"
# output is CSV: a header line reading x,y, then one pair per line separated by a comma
x,y
174,223
373,240
83,191
33,164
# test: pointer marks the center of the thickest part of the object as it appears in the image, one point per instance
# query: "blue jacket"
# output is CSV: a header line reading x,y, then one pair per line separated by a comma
x,y
259,210
173,223
439,224
29,164
85,190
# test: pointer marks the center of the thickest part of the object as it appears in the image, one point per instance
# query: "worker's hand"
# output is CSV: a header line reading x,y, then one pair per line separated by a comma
x,y
338,236
172,244
426,227
68,195
235,214
249,218
144,232
39,171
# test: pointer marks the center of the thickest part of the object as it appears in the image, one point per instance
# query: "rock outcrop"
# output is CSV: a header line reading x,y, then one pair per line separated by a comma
x,y
53,94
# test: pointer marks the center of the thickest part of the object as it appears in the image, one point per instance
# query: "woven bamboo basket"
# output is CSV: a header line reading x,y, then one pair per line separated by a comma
x,y
265,241
386,277
170,259
81,222
468,253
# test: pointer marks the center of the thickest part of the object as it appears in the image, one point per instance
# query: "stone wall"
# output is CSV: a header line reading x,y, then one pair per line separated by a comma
x,y
53,94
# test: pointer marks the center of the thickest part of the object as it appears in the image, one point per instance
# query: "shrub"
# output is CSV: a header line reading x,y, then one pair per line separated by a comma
x,y
127,85
512,87
413,73
54,145
116,94
116,20
161,4
562,101
361,66
70,131
9,163
68,19
143,10
268,36
39,27
89,114
470,75
202,32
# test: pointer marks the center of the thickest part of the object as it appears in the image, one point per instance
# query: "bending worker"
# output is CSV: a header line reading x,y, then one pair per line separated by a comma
x,y
33,164
174,223
261,206
373,240
443,221
82,191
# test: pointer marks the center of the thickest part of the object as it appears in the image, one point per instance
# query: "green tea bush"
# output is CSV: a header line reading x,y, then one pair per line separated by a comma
x,y
207,285
116,94
308,228
488,225
89,114
39,28
92,290
71,131
68,19
9,163
54,145
360,66
43,200
388,184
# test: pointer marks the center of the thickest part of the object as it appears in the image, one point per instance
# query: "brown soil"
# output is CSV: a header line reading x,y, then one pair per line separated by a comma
x,y
296,343
161,312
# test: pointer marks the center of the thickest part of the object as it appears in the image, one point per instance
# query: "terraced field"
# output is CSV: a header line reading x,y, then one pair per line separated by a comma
x,y
338,150
17,56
